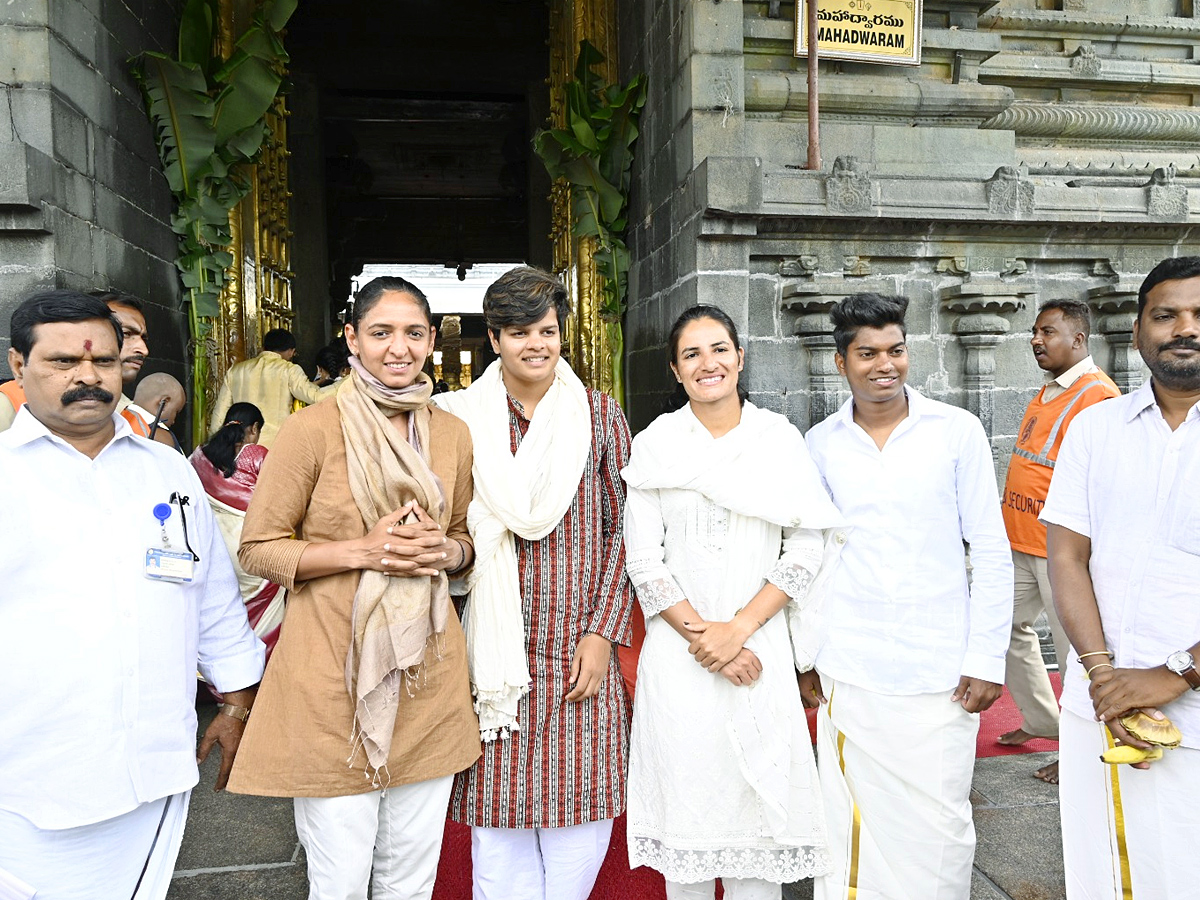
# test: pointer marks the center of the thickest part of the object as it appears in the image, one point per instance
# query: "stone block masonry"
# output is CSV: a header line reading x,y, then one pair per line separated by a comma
x,y
83,203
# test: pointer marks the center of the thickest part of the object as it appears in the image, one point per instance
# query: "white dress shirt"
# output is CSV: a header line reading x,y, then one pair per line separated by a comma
x,y
97,661
901,617
1056,386
1128,483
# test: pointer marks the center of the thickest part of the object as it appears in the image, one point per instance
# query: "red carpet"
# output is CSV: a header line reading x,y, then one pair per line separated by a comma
x,y
1004,717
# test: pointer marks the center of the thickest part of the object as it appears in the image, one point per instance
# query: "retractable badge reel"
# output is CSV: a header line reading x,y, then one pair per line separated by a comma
x,y
163,563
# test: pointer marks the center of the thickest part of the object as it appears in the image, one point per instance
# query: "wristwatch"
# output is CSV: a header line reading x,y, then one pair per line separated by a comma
x,y
1181,663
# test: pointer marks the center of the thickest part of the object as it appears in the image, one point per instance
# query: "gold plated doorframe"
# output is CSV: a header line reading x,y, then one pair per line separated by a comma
x,y
572,21
258,290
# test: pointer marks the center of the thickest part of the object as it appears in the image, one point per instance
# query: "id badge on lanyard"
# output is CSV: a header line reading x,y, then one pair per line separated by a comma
x,y
163,561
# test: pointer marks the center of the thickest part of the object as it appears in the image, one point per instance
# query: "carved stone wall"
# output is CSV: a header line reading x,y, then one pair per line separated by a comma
x,y
1035,154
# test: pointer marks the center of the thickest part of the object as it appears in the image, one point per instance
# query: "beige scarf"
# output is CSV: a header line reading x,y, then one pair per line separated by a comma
x,y
393,617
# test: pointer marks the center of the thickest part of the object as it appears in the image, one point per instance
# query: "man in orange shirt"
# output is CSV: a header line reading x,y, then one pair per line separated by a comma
x,y
1073,383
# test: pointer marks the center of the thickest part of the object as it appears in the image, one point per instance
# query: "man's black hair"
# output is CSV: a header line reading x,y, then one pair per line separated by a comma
x,y
1174,269
47,307
1074,311
865,311
279,340
120,298
522,296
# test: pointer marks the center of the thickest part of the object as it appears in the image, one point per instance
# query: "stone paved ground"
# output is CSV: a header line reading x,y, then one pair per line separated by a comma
x,y
245,848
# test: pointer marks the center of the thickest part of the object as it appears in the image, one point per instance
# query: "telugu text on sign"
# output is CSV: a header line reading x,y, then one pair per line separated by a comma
x,y
879,31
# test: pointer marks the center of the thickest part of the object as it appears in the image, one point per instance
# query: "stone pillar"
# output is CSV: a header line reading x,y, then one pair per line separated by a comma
x,y
451,341
1115,309
985,307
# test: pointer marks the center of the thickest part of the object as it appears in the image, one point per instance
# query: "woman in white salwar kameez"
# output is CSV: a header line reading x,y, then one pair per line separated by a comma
x,y
723,529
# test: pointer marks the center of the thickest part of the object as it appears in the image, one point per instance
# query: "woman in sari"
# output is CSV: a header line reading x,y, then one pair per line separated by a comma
x,y
723,531
228,466
365,713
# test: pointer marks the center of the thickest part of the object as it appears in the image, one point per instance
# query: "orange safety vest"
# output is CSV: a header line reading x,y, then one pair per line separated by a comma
x,y
1042,431
16,396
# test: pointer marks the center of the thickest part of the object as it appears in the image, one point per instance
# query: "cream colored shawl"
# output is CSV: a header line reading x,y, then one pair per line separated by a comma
x,y
394,617
526,494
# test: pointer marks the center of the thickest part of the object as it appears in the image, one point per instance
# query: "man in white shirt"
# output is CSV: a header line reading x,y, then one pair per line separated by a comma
x,y
115,590
1123,533
913,650
271,381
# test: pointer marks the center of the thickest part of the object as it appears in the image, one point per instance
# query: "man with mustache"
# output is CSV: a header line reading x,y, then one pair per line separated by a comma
x,y
1123,534
101,635
130,313
1073,383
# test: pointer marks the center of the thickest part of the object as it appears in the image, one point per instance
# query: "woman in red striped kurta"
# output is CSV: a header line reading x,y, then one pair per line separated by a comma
x,y
564,765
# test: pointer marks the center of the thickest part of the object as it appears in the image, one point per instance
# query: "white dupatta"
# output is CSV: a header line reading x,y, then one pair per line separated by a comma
x,y
526,494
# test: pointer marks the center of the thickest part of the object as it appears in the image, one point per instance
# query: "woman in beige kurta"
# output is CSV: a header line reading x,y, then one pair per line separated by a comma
x,y
299,741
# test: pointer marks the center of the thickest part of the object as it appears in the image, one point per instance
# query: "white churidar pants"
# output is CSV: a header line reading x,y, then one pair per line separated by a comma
x,y
735,889
1024,671
99,861
1126,832
896,778
538,863
391,839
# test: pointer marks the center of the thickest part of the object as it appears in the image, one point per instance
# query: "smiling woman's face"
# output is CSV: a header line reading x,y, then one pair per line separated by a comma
x,y
707,362
393,339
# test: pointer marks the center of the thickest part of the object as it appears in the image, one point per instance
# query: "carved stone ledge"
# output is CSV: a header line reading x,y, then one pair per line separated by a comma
x,y
1109,121
1167,201
1085,62
1010,193
1072,22
848,189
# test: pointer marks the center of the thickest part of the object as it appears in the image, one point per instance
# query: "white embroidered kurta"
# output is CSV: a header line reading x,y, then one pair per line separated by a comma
x,y
721,778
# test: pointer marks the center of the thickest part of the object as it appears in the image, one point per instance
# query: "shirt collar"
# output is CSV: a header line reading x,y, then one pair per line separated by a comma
x,y
1143,399
26,428
918,405
1073,374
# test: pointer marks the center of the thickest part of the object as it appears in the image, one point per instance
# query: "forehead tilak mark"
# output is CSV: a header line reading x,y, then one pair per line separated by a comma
x,y
87,345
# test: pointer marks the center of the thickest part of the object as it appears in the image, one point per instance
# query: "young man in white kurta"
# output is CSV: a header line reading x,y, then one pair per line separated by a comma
x,y
1123,517
98,730
909,640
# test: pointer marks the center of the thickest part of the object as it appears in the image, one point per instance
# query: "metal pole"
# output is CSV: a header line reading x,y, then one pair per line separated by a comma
x,y
814,126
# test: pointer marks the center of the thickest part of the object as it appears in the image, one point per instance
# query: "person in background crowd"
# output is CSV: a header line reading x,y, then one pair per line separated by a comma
x,y
332,364
549,598
271,381
101,634
158,401
1123,534
723,529
228,465
365,711
1073,383
913,650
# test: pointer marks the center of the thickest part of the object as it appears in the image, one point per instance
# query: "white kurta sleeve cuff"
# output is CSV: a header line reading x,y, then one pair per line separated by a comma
x,y
987,668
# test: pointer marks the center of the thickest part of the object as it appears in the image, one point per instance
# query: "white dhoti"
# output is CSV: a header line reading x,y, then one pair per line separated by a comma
x,y
896,779
107,859
1126,832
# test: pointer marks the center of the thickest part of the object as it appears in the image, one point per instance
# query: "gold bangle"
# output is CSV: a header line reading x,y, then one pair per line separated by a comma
x,y
241,713
1083,656
1088,673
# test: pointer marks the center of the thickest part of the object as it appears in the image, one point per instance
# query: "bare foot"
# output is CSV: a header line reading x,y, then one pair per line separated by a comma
x,y
1015,738
1048,774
